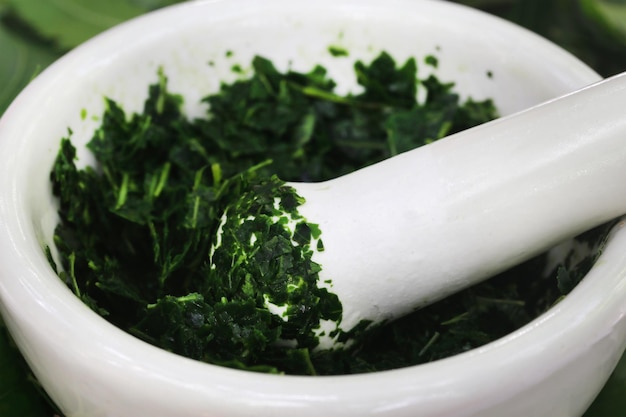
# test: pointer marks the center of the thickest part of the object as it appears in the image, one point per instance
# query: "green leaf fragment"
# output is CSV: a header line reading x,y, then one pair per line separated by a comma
x,y
338,51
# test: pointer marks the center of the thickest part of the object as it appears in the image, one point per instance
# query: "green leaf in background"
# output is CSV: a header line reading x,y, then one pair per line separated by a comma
x,y
609,15
21,60
18,393
71,22
611,402
153,4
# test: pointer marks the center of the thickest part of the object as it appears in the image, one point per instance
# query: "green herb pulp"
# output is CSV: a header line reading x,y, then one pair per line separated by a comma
x,y
164,239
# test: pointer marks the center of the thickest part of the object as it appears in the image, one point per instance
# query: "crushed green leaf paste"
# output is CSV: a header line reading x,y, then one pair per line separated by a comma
x,y
186,235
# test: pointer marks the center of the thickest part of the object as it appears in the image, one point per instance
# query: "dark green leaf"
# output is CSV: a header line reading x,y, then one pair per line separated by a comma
x,y
20,395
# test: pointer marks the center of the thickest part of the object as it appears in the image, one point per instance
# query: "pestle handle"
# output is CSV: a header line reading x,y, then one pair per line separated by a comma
x,y
417,227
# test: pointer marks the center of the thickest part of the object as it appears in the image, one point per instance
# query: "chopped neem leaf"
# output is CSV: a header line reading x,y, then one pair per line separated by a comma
x,y
186,235
337,51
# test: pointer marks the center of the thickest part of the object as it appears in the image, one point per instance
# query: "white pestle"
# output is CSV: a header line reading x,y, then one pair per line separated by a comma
x,y
424,224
